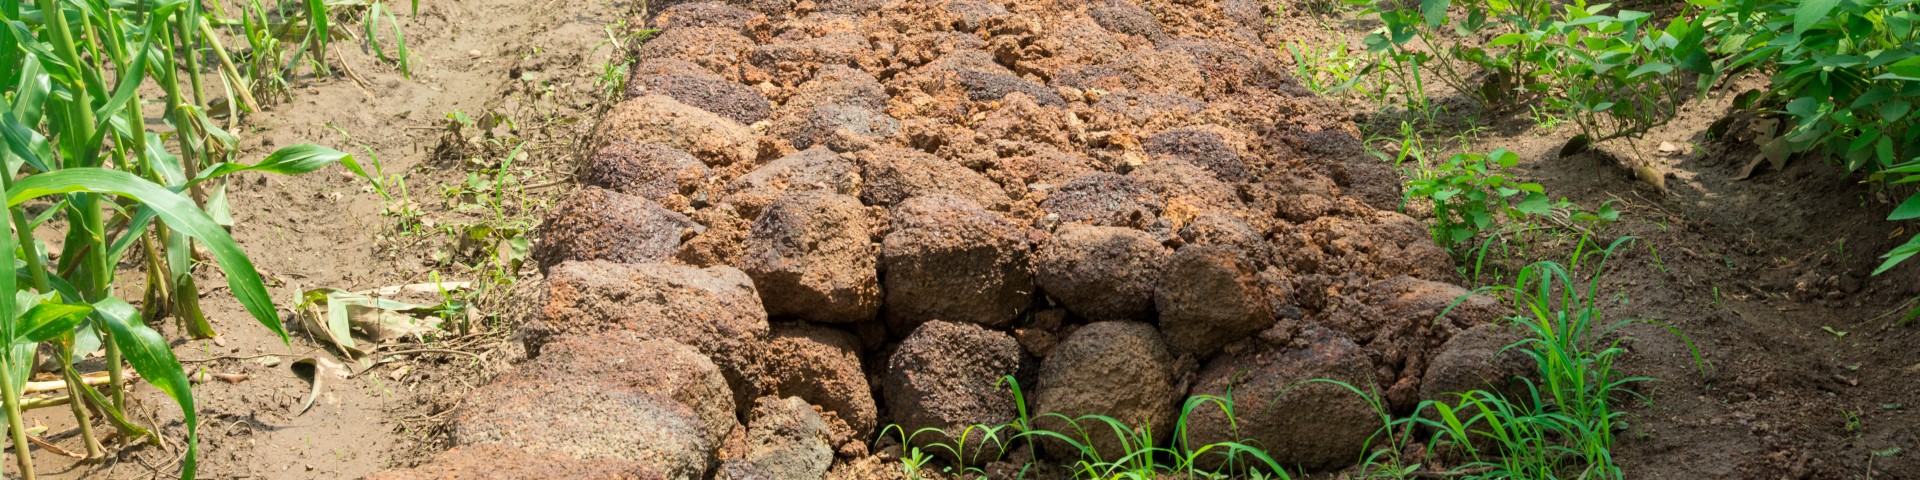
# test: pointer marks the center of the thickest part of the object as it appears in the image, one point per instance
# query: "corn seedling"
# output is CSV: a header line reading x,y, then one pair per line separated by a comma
x,y
73,140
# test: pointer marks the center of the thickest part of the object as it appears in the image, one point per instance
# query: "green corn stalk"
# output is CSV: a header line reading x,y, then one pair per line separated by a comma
x,y
76,138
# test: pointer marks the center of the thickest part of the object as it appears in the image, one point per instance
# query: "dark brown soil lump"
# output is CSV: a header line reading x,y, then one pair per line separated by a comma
x,y
894,174
945,376
713,139
843,127
989,86
1120,370
1479,358
599,224
1101,273
812,169
790,61
822,365
1204,147
1105,199
501,462
1210,295
716,49
787,439
1126,17
715,310
648,170
1316,426
539,414
811,258
734,101
949,259
711,14
620,359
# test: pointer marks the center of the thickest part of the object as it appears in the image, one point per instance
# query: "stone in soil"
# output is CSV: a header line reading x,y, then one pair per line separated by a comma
x,y
599,224
733,101
822,365
946,376
894,174
1120,370
1478,358
648,170
715,310
1315,426
712,14
815,168
501,462
741,469
792,61
714,49
572,417
1210,296
1101,273
1205,147
811,258
620,359
1107,200
710,137
1127,18
949,259
787,439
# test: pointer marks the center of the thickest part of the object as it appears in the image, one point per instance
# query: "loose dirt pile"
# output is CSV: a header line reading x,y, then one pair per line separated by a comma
x,y
811,221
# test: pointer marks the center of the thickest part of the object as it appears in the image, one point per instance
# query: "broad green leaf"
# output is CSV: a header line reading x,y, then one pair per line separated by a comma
x,y
1895,110
48,320
1908,209
1507,39
1434,11
177,212
1811,12
1535,204
148,353
1661,68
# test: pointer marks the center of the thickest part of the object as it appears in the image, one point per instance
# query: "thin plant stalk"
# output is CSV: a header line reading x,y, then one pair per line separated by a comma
x,y
15,423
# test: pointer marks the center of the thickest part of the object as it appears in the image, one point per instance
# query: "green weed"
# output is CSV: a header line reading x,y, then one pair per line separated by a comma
x,y
1140,456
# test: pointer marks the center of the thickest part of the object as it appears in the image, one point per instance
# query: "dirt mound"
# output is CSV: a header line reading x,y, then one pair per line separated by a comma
x,y
1121,204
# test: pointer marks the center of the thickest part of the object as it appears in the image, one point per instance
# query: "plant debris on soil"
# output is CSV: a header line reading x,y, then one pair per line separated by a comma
x,y
798,224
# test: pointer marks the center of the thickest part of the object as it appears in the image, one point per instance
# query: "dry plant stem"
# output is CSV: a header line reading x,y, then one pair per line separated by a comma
x,y
90,379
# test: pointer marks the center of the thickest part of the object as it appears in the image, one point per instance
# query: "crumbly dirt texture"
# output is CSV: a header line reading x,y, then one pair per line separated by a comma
x,y
861,213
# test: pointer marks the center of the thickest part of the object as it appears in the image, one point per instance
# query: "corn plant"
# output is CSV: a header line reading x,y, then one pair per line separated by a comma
x,y
75,140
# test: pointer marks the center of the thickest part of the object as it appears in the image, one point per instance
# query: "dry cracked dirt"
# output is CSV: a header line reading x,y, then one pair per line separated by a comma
x,y
808,222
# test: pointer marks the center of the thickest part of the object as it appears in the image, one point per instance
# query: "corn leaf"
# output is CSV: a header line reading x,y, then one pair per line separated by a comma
x,y
177,212
47,320
294,160
147,352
